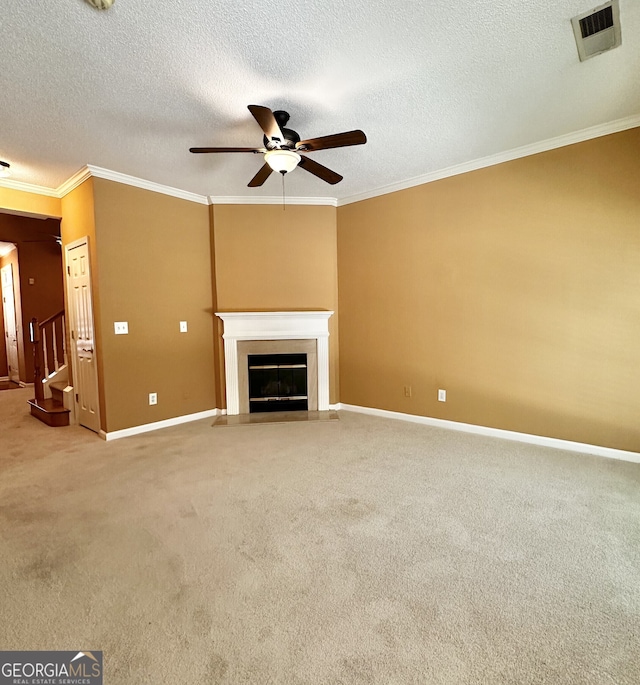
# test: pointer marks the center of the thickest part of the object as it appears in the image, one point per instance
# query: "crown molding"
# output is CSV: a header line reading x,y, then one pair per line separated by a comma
x,y
109,175
516,153
90,171
241,200
492,160
73,182
28,188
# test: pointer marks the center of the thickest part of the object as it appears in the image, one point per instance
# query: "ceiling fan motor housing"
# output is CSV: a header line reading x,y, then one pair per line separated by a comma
x,y
290,140
281,117
290,136
101,4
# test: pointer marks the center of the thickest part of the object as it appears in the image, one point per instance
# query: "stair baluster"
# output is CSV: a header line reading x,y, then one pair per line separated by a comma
x,y
44,351
36,341
64,342
50,411
55,346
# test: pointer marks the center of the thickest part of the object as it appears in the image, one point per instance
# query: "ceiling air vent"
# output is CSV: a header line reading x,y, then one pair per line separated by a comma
x,y
597,31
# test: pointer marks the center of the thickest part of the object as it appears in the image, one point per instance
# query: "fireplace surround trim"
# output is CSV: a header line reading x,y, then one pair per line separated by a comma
x,y
292,325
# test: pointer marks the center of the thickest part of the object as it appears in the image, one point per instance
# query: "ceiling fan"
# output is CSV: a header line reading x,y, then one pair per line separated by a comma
x,y
282,147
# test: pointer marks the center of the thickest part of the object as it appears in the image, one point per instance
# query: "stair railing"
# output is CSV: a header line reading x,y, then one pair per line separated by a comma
x,y
48,338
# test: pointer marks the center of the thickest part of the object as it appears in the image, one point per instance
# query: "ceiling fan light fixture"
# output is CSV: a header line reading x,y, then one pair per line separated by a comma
x,y
5,169
283,161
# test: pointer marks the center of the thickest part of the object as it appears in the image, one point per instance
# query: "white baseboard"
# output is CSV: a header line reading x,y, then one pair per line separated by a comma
x,y
556,443
4,378
157,425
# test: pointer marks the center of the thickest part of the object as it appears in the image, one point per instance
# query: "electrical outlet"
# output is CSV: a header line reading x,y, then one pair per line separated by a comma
x,y
153,398
121,327
442,395
407,391
183,327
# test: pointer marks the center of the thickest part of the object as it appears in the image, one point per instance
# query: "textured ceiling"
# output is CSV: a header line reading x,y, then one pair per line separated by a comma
x,y
433,84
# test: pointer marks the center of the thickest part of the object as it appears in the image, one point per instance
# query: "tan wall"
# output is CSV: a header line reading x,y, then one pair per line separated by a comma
x,y
16,229
516,288
218,328
270,259
78,214
20,201
41,279
154,270
41,286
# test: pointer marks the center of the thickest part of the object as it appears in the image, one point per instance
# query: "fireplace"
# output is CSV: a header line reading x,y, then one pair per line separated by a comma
x,y
247,334
277,382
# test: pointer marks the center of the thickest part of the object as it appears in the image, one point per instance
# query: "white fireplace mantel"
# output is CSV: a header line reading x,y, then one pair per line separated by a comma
x,y
298,325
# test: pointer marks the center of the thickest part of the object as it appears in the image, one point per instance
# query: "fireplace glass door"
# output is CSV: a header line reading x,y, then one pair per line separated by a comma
x,y
277,382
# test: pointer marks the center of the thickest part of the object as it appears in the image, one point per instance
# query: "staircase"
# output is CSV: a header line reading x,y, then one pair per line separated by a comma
x,y
51,374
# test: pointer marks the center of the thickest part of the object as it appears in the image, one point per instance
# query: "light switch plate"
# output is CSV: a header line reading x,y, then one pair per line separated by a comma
x,y
183,327
121,327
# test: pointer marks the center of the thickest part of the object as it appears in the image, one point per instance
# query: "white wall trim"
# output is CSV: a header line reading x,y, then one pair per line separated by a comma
x,y
543,441
240,200
109,175
73,182
473,165
28,187
157,425
4,378
492,160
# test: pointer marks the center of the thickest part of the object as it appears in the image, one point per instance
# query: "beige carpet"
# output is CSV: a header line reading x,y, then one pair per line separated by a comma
x,y
355,551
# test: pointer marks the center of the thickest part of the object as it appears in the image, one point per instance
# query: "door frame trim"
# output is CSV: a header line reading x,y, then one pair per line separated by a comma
x,y
17,326
71,323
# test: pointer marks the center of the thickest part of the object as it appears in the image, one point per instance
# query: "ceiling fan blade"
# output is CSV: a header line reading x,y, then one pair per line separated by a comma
x,y
224,149
337,140
262,175
319,170
264,117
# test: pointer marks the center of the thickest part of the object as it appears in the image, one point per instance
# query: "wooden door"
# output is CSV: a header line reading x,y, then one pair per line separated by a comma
x,y
10,326
81,325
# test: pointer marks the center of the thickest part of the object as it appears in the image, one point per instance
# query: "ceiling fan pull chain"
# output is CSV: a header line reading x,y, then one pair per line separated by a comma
x,y
284,207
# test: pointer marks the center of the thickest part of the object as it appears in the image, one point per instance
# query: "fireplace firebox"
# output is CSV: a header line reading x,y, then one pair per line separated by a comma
x,y
277,382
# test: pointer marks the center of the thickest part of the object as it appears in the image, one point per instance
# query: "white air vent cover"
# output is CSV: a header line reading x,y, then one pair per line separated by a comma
x,y
598,30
